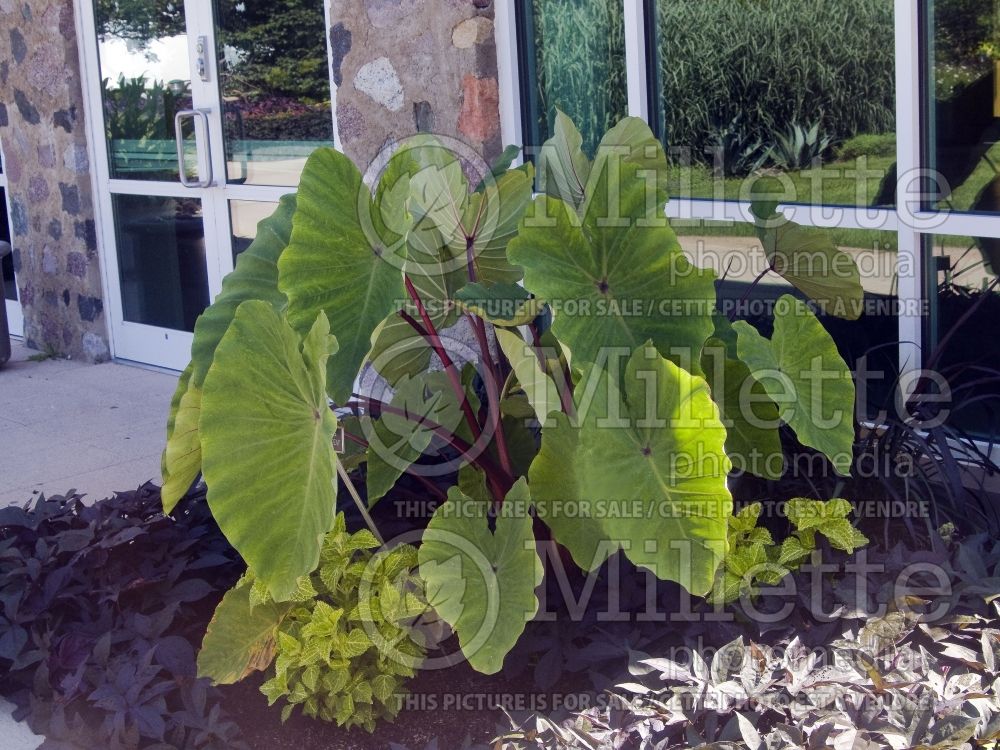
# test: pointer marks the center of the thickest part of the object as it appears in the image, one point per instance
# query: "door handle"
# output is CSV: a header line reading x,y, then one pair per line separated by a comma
x,y
195,114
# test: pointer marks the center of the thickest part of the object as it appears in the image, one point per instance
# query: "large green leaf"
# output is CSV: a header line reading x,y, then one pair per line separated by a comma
x,y
645,470
481,583
506,305
534,381
182,457
493,217
468,227
267,448
334,263
397,350
255,277
567,174
802,371
397,440
749,415
564,169
810,261
241,638
613,285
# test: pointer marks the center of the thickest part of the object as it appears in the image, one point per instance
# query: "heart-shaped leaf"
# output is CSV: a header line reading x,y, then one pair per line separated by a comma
x,y
482,583
804,374
335,263
182,456
616,277
267,448
810,261
644,471
241,638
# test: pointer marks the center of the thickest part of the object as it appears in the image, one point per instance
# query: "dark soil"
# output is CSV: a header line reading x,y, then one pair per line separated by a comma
x,y
452,705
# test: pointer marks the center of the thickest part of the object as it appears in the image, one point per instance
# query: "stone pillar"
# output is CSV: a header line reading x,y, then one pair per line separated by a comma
x,y
48,172
407,66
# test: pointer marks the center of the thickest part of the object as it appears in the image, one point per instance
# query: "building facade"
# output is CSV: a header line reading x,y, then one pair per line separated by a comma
x,y
142,140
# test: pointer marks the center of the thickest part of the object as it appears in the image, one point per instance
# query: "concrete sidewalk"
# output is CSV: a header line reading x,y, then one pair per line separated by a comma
x,y
69,425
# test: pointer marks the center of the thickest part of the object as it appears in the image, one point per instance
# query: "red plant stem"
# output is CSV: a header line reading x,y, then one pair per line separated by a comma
x,y
431,334
493,394
419,477
494,474
355,439
413,323
566,387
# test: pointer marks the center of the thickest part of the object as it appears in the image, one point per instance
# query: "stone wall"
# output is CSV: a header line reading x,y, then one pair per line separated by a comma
x,y
52,216
407,66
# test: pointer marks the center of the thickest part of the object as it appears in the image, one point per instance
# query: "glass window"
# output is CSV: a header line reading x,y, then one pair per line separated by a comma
x,y
799,88
245,215
962,103
274,81
7,264
145,80
958,339
161,259
573,59
870,345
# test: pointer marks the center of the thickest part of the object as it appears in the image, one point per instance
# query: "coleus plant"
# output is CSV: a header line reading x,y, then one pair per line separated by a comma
x,y
546,340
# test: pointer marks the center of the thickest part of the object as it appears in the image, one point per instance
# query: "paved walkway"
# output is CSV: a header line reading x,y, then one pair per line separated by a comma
x,y
69,425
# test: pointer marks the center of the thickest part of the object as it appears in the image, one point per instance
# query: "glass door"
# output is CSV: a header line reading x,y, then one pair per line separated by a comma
x,y
15,319
201,127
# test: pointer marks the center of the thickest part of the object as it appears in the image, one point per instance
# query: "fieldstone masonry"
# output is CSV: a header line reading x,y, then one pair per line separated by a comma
x,y
407,66
48,171
401,67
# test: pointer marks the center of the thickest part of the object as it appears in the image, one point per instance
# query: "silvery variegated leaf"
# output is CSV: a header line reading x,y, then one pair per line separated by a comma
x,y
670,671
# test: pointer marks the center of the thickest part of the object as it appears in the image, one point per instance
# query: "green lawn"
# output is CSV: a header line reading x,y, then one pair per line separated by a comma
x,y
848,183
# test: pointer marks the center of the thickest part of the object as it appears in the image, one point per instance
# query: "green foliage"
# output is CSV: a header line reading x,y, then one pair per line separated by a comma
x,y
868,144
667,440
571,251
640,392
755,559
255,277
482,583
798,147
332,264
343,650
580,65
767,64
749,416
279,50
802,371
811,262
267,443
136,109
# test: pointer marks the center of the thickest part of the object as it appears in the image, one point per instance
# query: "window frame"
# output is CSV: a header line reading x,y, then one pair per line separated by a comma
x,y
912,222
15,314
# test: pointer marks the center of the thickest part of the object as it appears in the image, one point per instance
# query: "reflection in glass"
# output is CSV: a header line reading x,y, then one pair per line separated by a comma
x,y
145,80
963,104
275,87
777,86
959,335
161,260
7,264
575,62
869,345
245,216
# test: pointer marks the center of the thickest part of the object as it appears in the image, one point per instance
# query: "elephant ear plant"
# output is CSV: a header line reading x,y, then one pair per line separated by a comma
x,y
543,350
